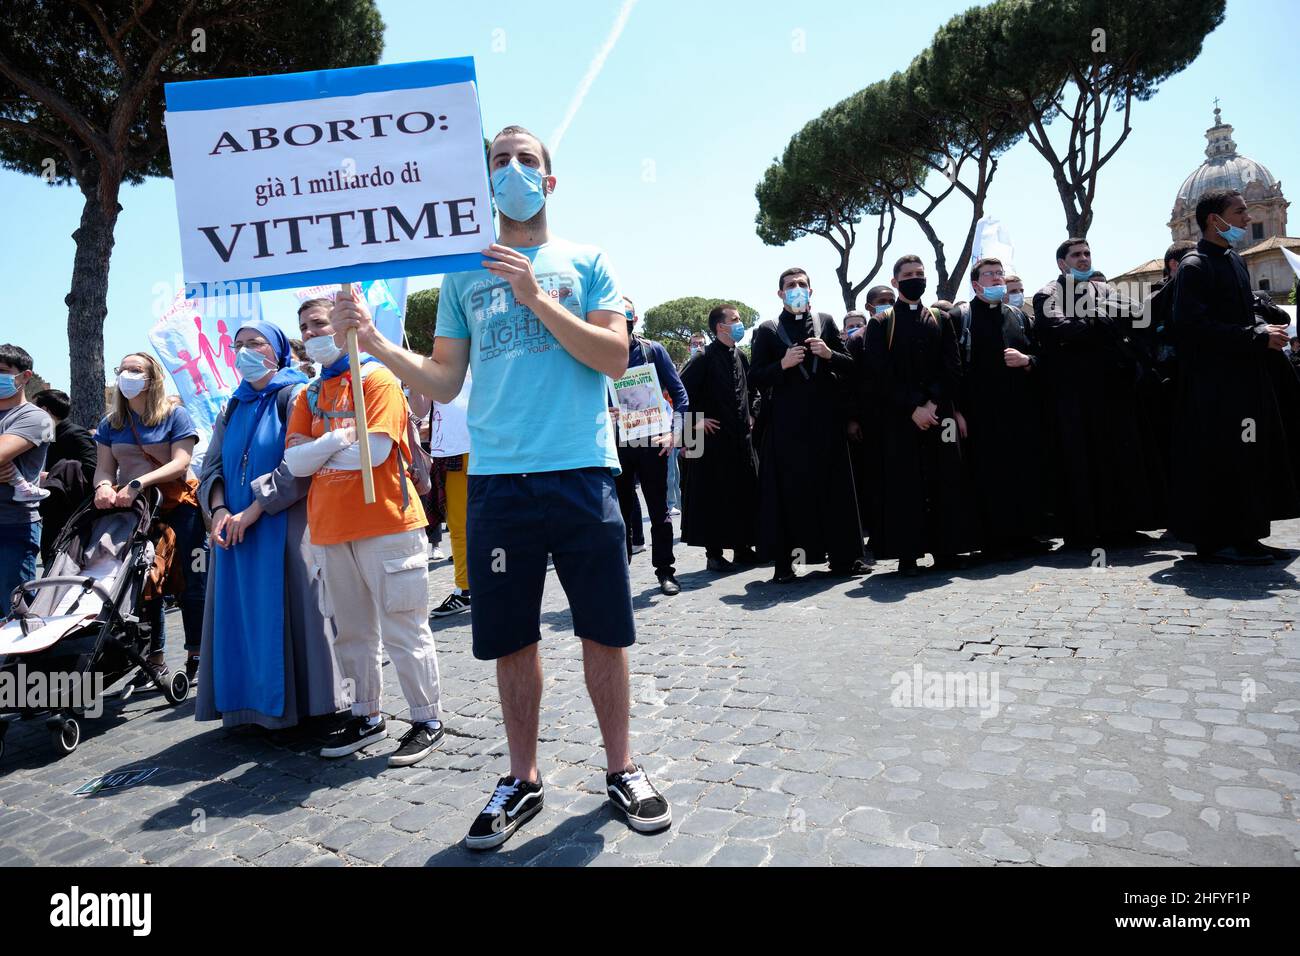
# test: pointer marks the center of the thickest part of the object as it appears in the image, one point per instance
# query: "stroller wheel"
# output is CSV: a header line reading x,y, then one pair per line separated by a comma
x,y
178,689
65,736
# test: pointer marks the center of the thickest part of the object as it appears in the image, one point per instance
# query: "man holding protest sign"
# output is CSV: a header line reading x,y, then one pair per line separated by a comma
x,y
373,560
542,317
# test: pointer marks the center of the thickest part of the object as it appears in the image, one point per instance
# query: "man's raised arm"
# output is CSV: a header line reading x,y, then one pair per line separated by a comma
x,y
440,377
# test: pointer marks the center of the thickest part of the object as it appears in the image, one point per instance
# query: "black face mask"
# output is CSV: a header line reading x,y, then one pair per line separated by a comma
x,y
912,289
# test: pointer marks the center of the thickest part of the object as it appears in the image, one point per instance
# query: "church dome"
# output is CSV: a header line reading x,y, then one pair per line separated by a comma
x,y
1223,168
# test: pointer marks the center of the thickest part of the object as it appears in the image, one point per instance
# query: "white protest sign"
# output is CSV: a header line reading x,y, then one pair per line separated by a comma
x,y
642,409
331,176
449,426
1292,259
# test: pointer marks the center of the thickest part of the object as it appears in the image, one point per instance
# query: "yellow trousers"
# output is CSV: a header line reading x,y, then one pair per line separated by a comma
x,y
457,492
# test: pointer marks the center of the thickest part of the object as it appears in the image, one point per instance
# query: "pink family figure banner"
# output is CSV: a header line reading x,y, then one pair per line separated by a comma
x,y
193,339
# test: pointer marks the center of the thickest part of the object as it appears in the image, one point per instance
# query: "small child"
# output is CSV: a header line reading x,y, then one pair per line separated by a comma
x,y
24,490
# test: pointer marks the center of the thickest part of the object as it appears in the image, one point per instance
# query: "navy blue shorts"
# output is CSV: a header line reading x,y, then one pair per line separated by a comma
x,y
512,523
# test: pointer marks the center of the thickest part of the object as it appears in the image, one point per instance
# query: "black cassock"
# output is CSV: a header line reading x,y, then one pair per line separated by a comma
x,y
1003,410
1156,392
922,497
864,454
720,485
806,497
1101,486
1226,488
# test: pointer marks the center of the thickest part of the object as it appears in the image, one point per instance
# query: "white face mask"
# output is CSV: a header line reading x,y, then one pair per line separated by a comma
x,y
131,384
322,350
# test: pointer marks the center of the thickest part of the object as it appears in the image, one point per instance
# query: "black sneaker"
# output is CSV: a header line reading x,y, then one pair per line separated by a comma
x,y
514,803
454,604
144,680
645,808
356,733
417,743
192,670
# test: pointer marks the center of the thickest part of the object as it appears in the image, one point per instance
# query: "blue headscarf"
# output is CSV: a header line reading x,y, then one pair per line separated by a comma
x,y
286,375
248,618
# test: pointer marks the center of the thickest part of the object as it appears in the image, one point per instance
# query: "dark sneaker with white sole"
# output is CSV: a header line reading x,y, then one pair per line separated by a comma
x,y
355,734
514,802
144,680
454,604
645,808
417,743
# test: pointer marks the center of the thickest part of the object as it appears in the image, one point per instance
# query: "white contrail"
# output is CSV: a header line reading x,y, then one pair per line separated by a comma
x,y
593,71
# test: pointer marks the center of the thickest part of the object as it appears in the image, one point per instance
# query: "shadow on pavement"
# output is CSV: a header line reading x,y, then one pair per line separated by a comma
x,y
1200,580
574,842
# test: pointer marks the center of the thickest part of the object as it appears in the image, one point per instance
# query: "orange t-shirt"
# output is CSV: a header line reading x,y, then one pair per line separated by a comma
x,y
336,508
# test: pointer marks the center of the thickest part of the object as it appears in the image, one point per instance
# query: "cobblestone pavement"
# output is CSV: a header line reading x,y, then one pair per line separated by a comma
x,y
1140,713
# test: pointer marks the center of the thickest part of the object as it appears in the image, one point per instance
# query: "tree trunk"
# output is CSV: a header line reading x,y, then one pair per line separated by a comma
x,y
846,284
1082,223
87,304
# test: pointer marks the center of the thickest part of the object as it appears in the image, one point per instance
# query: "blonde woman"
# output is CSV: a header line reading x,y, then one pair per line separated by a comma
x,y
145,441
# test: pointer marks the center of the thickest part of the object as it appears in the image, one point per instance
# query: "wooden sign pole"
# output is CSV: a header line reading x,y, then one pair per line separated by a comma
x,y
359,403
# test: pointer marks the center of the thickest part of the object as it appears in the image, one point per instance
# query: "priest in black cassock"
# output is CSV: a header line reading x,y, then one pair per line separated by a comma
x,y
1101,487
912,367
720,471
999,396
1234,471
807,506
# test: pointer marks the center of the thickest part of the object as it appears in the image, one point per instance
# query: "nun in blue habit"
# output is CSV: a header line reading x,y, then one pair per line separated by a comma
x,y
267,653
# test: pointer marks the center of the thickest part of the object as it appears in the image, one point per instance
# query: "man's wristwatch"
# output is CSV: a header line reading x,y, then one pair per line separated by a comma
x,y
135,486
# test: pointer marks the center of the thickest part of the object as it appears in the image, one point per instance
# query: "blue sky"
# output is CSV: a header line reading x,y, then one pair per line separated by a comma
x,y
660,162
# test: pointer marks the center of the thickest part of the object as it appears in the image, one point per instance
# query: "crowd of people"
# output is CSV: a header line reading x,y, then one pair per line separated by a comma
x,y
987,427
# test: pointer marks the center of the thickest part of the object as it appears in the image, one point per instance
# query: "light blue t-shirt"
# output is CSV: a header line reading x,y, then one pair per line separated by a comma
x,y
534,406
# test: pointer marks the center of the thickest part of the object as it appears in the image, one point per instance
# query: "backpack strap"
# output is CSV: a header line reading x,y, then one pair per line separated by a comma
x,y
963,338
886,319
283,399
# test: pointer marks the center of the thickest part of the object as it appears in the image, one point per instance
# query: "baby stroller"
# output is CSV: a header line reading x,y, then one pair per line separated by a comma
x,y
80,622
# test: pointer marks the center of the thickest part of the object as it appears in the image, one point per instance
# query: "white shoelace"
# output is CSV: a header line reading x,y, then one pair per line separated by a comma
x,y
639,784
499,798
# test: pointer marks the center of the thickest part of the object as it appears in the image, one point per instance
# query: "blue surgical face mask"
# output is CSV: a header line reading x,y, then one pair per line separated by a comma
x,y
796,298
8,386
995,293
519,191
1233,234
322,350
881,309
1017,299
1082,275
251,364
737,331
